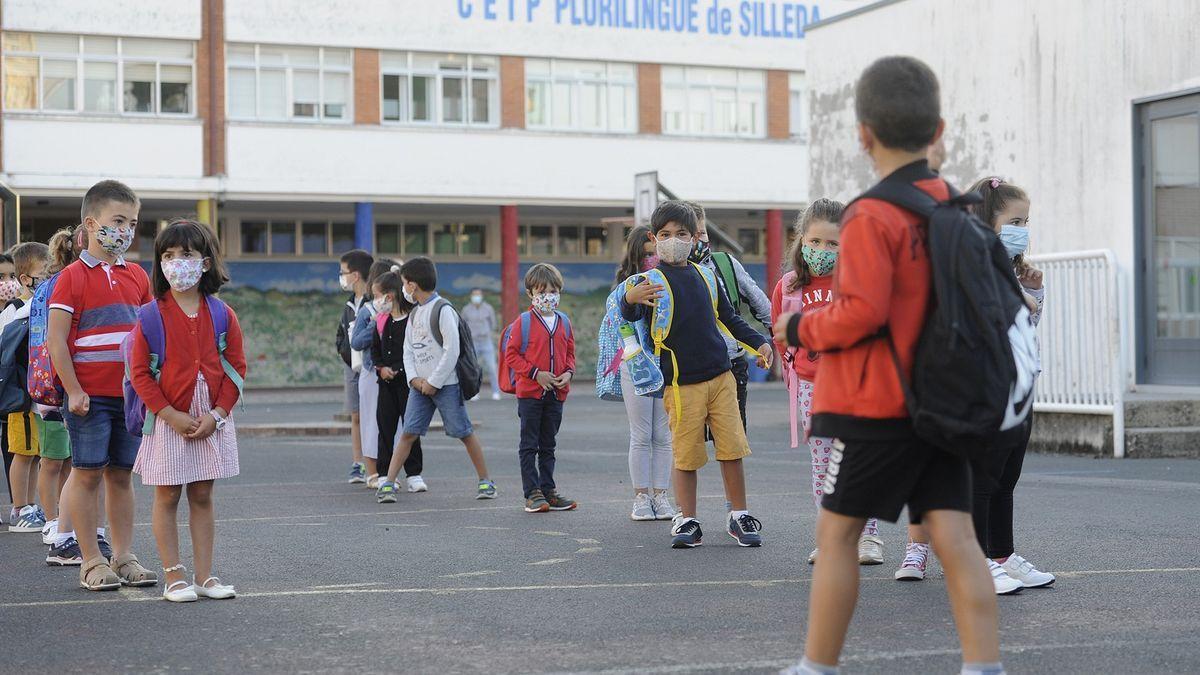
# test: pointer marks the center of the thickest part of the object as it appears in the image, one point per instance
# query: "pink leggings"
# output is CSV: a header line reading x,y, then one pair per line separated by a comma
x,y
820,448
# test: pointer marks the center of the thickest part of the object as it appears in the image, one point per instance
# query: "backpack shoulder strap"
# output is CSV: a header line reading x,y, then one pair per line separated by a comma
x,y
526,324
151,322
724,264
566,322
905,195
435,319
219,313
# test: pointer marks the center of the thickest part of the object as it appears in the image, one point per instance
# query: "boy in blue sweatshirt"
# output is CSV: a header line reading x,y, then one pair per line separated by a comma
x,y
703,390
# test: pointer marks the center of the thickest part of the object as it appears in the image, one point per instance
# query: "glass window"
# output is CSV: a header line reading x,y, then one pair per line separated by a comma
x,y
314,238
595,241
283,238
288,83
272,94
387,238
119,75
306,94
337,95
342,237
445,240
474,240
416,239
242,97
453,89
797,105
580,95
541,240
750,239
254,237
713,102
568,240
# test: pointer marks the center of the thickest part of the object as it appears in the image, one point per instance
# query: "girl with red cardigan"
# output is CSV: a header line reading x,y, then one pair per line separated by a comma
x,y
193,441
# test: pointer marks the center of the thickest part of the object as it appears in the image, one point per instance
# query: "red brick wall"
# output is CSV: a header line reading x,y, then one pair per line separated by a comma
x,y
366,86
778,122
649,76
512,92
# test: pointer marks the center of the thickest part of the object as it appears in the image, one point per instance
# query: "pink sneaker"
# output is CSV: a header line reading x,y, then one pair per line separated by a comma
x,y
916,556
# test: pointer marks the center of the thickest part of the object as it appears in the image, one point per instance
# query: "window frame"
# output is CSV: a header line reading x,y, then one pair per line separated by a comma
x,y
798,119
468,75
120,59
289,91
575,81
696,79
556,249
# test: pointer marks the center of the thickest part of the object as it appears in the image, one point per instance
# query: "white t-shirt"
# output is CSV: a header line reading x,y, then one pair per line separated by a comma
x,y
550,321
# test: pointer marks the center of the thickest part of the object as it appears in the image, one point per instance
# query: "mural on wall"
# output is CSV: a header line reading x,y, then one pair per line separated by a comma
x,y
289,312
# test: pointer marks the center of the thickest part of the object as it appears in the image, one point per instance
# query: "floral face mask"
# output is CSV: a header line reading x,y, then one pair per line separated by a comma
x,y
820,261
545,302
183,273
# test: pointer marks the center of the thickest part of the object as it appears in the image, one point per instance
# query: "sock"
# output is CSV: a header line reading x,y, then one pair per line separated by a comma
x,y
737,514
982,668
808,667
62,537
100,531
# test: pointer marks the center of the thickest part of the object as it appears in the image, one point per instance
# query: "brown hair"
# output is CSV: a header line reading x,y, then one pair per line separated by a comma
x,y
28,255
390,283
635,252
65,246
380,267
897,97
104,192
827,210
997,195
190,236
543,275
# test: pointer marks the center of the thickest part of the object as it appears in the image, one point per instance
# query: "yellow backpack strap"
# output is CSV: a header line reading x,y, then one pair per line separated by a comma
x,y
712,292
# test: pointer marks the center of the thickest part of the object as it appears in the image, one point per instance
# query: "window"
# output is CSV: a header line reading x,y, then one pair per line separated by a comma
x,y
283,238
751,241
314,240
416,238
254,237
292,237
450,89
713,102
564,241
303,84
387,238
797,106
580,95
88,74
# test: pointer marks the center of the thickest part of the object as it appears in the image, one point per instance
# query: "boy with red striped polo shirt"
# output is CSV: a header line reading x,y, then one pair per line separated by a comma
x,y
92,308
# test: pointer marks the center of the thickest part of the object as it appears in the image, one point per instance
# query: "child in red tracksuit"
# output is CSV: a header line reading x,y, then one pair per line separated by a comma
x,y
543,372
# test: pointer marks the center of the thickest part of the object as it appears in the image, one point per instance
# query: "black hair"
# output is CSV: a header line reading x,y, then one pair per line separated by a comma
x,y
391,283
104,192
897,97
422,272
379,267
359,261
6,258
673,210
635,252
190,236
828,210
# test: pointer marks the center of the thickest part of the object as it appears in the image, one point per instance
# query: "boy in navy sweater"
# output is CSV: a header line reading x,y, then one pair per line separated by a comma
x,y
705,390
543,371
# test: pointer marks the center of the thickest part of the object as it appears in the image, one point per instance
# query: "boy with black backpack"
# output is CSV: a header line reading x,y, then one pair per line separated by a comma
x,y
883,458
439,360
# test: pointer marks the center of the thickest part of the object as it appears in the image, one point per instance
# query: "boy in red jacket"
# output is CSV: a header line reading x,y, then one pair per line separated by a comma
x,y
543,371
878,466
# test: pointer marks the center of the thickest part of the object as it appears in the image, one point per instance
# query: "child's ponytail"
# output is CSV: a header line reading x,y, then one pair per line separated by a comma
x,y
827,210
65,246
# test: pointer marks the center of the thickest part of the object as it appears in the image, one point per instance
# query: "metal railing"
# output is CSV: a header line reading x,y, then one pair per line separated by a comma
x,y
1083,368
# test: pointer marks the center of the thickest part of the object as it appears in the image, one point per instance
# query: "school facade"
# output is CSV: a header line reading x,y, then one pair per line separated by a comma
x,y
1093,107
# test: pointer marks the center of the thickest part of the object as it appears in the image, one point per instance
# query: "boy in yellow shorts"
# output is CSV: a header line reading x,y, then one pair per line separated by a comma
x,y
696,367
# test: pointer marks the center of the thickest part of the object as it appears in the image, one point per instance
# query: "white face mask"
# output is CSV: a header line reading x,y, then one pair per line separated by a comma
x,y
344,282
477,299
408,296
183,273
383,305
674,250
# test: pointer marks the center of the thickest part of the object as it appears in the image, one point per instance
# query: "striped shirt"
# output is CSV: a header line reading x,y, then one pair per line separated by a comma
x,y
103,300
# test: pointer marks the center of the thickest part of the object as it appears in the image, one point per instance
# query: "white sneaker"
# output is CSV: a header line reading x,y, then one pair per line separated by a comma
x,y
1023,571
1005,585
495,397
870,550
663,510
643,509
50,532
373,481
812,557
916,557
417,484
474,398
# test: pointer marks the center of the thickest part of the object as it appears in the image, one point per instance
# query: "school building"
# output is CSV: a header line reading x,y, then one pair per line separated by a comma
x,y
1093,107
486,134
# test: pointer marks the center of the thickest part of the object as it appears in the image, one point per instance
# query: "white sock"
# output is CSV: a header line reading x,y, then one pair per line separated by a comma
x,y
100,531
62,537
808,667
738,514
982,668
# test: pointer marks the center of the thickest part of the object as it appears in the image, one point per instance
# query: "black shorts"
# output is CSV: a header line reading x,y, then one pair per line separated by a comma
x,y
877,479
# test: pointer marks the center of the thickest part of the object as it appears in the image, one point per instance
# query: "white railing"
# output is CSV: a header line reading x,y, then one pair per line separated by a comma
x,y
1080,332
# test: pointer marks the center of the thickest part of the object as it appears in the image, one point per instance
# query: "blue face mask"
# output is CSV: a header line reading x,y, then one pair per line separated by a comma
x,y
1015,239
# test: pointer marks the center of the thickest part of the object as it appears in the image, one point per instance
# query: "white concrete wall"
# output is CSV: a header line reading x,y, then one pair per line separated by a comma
x,y
52,154
404,164
178,19
536,28
1038,92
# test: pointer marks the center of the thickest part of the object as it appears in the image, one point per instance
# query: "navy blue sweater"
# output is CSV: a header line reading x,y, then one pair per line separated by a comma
x,y
697,342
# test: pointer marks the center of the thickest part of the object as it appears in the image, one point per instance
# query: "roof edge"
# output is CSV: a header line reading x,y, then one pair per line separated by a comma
x,y
850,14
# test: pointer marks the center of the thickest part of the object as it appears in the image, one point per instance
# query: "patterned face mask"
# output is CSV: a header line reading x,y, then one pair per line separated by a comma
x,y
820,262
9,289
183,273
545,302
650,262
115,240
383,305
674,250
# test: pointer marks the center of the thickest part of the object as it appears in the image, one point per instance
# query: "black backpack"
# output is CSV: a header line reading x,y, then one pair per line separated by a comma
x,y
470,375
14,358
977,357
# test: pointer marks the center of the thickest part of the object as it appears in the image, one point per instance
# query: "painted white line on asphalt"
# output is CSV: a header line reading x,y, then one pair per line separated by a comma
x,y
360,585
753,583
551,533
481,527
550,561
402,524
460,575
592,549
587,541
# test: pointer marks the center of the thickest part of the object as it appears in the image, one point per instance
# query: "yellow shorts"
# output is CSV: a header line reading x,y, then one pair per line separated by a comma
x,y
713,402
23,434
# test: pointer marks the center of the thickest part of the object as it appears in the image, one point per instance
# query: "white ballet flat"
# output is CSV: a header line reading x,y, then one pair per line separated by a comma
x,y
217,591
179,591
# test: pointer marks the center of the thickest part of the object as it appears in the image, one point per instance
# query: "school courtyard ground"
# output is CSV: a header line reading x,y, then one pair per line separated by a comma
x,y
330,581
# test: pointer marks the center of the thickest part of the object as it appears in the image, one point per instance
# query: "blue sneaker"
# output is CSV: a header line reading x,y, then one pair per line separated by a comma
x,y
65,554
487,489
27,520
686,533
358,473
745,528
386,494
105,548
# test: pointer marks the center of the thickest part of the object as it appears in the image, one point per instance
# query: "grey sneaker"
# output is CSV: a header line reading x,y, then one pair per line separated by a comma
x,y
663,510
487,489
870,550
642,508
386,494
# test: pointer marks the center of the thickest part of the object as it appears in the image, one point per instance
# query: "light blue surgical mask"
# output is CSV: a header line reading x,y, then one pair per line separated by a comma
x,y
1015,239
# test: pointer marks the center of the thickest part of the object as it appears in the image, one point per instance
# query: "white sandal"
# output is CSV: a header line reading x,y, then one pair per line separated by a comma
x,y
178,591
217,591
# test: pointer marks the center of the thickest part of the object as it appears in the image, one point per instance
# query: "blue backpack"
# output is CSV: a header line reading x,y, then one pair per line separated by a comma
x,y
13,362
138,420
508,378
43,384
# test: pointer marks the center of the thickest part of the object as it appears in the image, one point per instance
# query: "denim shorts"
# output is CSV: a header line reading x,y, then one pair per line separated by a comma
x,y
350,383
448,401
99,438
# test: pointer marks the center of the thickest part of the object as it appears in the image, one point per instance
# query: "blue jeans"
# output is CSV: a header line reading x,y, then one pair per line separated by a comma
x,y
448,401
540,420
99,438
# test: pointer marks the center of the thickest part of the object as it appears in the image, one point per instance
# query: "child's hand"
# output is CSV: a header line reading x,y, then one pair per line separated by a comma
x,y
206,427
387,373
779,332
1031,278
766,354
79,404
545,380
563,380
644,293
422,385
182,423
1031,303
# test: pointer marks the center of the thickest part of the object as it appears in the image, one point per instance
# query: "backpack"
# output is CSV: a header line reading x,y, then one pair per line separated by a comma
x,y
470,375
977,355
13,365
138,420
508,378
611,350
44,387
724,264
791,302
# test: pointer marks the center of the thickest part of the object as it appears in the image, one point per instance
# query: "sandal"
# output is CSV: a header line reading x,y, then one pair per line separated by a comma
x,y
97,575
131,571
217,591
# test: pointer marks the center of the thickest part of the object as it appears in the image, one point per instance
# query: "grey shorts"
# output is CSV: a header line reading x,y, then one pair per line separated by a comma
x,y
351,383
